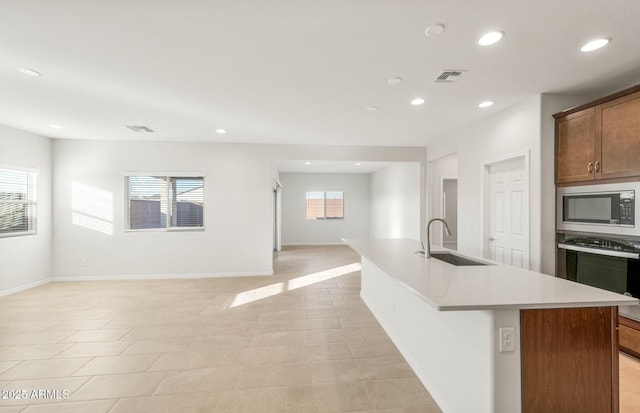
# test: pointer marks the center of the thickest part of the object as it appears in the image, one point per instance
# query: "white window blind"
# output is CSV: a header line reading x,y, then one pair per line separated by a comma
x,y
17,202
164,202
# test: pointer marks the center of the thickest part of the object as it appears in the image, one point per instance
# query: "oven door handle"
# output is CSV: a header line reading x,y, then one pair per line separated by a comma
x,y
597,251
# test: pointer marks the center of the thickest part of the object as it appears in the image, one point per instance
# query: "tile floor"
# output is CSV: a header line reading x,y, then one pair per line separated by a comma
x,y
300,341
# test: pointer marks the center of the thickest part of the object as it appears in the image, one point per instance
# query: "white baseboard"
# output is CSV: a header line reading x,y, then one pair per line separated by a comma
x,y
161,276
25,287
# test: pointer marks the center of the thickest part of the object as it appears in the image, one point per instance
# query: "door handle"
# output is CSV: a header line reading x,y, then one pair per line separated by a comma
x,y
590,167
491,239
597,166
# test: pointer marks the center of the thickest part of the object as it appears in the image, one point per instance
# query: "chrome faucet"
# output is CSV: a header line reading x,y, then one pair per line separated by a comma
x,y
446,227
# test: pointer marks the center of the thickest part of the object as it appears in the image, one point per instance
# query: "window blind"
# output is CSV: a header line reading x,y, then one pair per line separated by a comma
x,y
164,202
17,202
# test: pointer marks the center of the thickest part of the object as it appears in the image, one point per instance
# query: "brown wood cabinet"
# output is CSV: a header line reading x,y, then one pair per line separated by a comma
x,y
576,146
600,140
630,336
570,360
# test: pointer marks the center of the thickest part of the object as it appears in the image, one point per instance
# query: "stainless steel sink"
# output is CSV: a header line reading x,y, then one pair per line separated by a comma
x,y
456,260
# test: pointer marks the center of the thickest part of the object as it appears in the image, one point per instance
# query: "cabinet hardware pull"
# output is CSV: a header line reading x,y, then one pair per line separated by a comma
x,y
590,167
597,166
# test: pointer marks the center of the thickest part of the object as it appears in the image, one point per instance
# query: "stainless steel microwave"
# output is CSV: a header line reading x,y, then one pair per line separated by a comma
x,y
608,208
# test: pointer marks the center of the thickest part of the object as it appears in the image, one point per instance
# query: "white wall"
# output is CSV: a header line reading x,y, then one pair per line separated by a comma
x,y
238,234
396,205
296,229
514,130
25,261
527,126
238,205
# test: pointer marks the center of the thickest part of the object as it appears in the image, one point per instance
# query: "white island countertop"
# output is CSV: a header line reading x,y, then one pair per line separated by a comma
x,y
490,287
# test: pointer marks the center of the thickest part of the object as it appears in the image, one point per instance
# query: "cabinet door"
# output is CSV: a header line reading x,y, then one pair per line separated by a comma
x,y
575,146
618,137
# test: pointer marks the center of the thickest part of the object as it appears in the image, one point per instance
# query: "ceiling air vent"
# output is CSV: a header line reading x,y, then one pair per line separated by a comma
x,y
450,76
139,128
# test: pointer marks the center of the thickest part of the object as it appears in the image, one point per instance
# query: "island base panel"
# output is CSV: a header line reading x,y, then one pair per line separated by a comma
x,y
569,360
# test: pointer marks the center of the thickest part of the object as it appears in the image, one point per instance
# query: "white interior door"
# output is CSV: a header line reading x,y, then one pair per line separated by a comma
x,y
509,212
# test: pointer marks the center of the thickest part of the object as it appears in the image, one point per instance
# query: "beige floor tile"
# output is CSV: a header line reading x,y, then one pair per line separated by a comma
x,y
12,409
27,325
173,403
168,345
314,324
323,398
32,352
340,371
188,360
60,385
280,337
40,337
401,392
95,335
104,348
373,349
40,369
74,325
98,406
360,321
118,386
198,380
134,363
274,375
161,332
263,400
220,342
340,335
6,365
327,312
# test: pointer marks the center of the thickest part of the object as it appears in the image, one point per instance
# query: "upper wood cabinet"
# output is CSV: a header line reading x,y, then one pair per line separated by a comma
x,y
600,140
618,137
576,146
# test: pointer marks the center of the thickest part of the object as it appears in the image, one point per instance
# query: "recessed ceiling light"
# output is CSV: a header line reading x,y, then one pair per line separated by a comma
x,y
30,72
307,163
372,108
357,163
221,131
394,81
55,126
595,45
485,104
434,30
417,101
490,38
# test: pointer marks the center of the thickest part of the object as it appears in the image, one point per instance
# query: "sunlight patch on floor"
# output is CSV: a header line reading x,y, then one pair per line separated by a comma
x,y
270,290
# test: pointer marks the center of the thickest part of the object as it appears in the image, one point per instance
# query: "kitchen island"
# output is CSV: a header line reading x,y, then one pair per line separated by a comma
x,y
494,338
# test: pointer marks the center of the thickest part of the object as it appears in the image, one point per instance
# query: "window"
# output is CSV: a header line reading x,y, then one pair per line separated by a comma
x,y
325,205
17,202
164,202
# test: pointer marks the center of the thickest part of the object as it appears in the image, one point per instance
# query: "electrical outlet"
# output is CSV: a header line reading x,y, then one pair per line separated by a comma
x,y
83,262
507,339
243,259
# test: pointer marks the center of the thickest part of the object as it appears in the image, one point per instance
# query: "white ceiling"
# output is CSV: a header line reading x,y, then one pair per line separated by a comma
x,y
341,167
297,71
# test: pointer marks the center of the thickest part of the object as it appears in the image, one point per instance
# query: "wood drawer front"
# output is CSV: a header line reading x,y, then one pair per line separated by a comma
x,y
629,338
